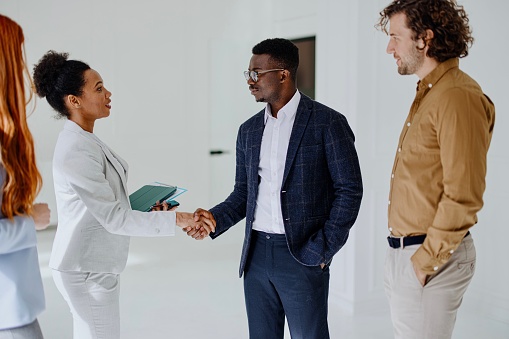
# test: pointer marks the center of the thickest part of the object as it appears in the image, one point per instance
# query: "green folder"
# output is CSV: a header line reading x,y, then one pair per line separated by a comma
x,y
147,196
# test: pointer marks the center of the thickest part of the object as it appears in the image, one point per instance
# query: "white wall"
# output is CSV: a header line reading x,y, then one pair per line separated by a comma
x,y
154,58
162,61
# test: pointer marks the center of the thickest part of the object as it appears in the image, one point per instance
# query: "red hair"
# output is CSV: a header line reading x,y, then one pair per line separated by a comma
x,y
22,181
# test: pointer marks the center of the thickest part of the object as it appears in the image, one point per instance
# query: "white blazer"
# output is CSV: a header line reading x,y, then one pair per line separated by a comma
x,y
95,218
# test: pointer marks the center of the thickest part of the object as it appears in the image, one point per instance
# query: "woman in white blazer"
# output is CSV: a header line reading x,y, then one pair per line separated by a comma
x,y
95,218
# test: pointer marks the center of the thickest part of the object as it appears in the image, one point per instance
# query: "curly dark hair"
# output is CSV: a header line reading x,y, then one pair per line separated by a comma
x,y
448,21
55,77
283,52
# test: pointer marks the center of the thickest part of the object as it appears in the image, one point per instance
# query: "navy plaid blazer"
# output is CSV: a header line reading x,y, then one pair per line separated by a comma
x,y
322,184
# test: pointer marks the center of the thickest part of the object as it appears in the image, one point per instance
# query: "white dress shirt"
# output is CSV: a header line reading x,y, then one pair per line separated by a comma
x,y
276,137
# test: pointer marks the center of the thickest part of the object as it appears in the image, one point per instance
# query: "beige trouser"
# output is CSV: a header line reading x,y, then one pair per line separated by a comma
x,y
427,312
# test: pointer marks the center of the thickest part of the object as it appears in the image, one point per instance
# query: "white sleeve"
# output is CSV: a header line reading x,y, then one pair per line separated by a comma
x,y
84,172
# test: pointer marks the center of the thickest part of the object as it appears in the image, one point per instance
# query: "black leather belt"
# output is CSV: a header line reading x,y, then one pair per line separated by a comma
x,y
408,241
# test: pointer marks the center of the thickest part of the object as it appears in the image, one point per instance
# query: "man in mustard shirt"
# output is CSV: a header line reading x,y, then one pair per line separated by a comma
x,y
438,177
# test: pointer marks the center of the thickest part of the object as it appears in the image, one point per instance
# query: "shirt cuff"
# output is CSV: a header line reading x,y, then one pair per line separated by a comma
x,y
427,263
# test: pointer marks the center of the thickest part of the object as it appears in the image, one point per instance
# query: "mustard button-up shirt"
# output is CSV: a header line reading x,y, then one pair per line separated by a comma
x,y
438,177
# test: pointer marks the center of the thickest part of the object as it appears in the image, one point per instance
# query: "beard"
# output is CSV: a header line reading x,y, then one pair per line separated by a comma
x,y
412,62
267,95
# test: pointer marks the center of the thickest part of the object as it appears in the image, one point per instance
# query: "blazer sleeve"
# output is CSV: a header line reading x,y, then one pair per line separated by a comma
x,y
84,170
233,209
344,168
17,234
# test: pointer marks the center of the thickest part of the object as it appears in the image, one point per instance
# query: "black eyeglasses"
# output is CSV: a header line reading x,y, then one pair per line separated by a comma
x,y
253,75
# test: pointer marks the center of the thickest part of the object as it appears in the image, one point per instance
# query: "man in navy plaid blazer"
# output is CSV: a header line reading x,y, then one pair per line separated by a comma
x,y
298,184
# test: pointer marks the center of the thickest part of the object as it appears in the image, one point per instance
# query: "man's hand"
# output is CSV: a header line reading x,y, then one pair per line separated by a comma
x,y
41,216
201,216
421,276
196,226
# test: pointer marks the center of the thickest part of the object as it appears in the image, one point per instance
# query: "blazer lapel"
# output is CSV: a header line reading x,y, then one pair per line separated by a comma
x,y
119,164
299,126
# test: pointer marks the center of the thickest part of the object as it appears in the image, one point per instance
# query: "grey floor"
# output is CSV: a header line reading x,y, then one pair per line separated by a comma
x,y
179,288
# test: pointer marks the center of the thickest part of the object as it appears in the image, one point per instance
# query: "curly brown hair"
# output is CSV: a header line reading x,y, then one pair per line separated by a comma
x,y
448,21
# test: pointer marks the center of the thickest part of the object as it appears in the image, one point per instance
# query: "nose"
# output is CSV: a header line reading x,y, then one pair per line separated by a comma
x,y
390,47
108,93
250,81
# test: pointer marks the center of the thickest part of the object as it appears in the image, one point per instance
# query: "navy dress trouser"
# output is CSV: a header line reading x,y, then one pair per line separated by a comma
x,y
275,285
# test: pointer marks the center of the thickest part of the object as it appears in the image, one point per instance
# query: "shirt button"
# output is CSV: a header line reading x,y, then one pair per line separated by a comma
x,y
435,268
452,251
389,202
390,229
430,85
392,175
399,149
408,124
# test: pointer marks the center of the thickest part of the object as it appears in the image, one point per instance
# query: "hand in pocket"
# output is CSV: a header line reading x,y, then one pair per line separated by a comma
x,y
421,276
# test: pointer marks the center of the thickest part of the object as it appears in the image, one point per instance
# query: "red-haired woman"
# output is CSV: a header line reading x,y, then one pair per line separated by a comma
x,y
21,291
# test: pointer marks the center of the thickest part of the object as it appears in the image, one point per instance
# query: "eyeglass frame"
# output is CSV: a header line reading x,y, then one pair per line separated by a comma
x,y
253,75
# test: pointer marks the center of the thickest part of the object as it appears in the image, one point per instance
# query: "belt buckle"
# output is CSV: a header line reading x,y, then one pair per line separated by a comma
x,y
401,242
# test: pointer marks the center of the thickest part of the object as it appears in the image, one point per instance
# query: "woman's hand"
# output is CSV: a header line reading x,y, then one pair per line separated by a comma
x,y
163,207
41,215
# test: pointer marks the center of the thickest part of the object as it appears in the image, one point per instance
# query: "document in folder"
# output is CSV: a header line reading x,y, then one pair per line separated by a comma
x,y
147,196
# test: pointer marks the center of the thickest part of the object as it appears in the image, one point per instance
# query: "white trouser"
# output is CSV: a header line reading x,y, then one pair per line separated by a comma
x,y
94,302
427,312
30,331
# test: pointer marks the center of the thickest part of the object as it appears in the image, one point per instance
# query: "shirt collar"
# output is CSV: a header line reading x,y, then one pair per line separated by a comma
x,y
432,78
289,110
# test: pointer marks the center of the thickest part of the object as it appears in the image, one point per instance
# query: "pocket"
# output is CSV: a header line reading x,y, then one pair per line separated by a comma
x,y
468,256
455,267
320,271
102,282
467,265
414,277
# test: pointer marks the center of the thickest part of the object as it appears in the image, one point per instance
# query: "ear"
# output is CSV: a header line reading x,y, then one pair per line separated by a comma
x,y
74,101
428,37
285,75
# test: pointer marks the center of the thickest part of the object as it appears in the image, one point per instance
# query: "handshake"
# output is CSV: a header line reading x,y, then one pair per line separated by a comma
x,y
197,225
